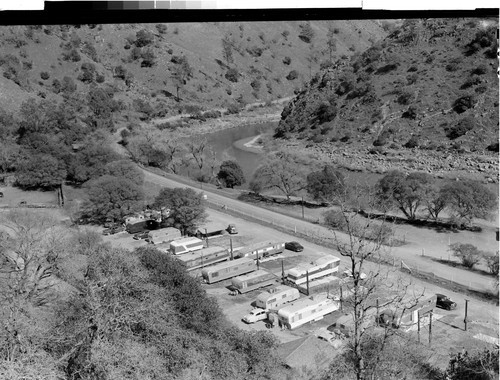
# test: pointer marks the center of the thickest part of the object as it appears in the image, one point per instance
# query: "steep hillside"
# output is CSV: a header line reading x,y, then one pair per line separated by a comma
x,y
224,62
424,98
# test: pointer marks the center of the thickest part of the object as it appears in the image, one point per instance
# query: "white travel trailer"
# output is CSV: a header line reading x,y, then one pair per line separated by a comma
x,y
277,296
306,310
324,266
251,281
163,235
204,257
185,245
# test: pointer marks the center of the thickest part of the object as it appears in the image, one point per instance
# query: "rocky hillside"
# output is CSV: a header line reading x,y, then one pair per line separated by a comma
x,y
424,98
158,69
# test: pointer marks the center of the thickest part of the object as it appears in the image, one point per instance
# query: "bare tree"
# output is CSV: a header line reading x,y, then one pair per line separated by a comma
x,y
197,148
362,241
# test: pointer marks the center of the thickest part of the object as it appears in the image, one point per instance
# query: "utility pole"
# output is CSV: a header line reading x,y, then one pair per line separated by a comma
x,y
206,236
231,247
307,282
302,207
282,272
258,264
466,307
341,298
418,327
430,327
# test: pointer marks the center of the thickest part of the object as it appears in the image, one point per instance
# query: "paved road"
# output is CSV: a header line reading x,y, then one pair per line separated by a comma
x,y
472,280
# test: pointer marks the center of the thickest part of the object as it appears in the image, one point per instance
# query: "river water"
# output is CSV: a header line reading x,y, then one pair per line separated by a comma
x,y
227,143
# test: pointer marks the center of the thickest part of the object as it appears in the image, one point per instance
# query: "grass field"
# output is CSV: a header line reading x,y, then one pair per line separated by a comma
x,y
12,196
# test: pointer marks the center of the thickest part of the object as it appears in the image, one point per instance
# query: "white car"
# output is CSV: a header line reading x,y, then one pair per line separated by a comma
x,y
255,315
348,274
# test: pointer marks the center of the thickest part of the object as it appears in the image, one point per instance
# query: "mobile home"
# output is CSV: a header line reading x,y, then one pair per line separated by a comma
x,y
204,257
306,310
228,269
321,267
185,245
261,250
164,235
255,280
273,298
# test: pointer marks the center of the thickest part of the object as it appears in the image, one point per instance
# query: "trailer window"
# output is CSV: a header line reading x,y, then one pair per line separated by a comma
x,y
283,296
272,300
215,274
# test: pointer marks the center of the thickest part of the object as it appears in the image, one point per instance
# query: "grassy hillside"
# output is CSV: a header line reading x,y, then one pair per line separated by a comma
x,y
429,89
260,55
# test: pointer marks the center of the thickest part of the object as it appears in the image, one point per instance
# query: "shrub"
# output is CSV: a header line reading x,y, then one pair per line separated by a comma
x,y
255,51
461,128
44,75
386,69
233,109
493,147
376,150
480,70
72,56
464,103
143,38
413,142
335,219
382,139
404,98
135,53
492,262
326,112
212,114
317,139
292,75
100,78
411,78
412,69
467,253
471,81
256,85
287,60
232,75
306,32
481,89
410,113
161,28
56,86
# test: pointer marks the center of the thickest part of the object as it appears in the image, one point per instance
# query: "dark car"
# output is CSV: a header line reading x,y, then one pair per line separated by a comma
x,y
141,235
444,302
294,246
113,230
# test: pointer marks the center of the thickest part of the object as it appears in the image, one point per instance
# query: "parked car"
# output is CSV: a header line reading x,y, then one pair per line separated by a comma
x,y
141,235
294,246
328,336
113,230
445,303
232,229
1,194
255,315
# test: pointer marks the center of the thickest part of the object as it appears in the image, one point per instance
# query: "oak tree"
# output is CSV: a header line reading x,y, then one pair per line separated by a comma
x,y
231,174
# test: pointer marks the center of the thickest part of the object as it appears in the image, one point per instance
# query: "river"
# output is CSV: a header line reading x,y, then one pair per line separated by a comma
x,y
227,143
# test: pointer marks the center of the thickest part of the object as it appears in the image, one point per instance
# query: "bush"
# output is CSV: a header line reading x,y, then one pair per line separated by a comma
x,y
44,75
233,109
144,38
413,142
480,70
386,69
492,262
460,129
412,69
306,32
493,147
335,219
471,81
411,78
72,56
100,78
410,113
232,75
287,60
404,98
255,51
464,103
292,75
326,112
382,139
468,254
161,28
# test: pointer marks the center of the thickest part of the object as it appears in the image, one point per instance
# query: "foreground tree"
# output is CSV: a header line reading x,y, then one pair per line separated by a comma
x,y
186,207
480,365
231,174
90,162
325,185
111,198
362,241
469,199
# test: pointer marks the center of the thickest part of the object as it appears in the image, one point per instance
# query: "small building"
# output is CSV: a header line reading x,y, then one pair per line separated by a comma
x,y
210,229
307,354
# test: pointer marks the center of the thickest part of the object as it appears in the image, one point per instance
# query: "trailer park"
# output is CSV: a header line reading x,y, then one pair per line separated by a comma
x,y
250,268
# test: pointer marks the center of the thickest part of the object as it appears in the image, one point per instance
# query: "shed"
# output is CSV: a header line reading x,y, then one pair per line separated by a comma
x,y
164,235
307,353
210,229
